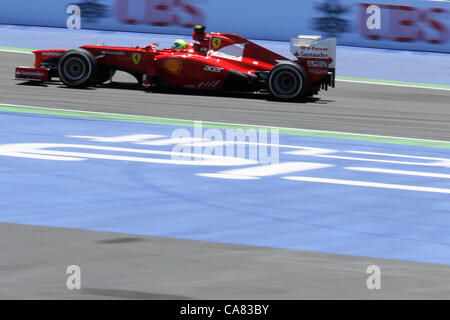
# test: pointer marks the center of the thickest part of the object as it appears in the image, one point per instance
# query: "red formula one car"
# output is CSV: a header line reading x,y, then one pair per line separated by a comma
x,y
215,61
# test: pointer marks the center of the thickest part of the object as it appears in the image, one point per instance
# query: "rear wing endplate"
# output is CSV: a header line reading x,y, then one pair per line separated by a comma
x,y
312,47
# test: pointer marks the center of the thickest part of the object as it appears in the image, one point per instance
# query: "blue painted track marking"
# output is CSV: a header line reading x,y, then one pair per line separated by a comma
x,y
175,201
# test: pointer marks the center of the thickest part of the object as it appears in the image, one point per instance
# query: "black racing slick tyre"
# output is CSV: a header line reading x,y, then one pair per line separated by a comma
x,y
77,68
288,81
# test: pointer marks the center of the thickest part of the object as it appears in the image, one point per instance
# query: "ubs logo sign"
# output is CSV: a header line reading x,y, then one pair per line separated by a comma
x,y
92,10
331,23
403,23
186,13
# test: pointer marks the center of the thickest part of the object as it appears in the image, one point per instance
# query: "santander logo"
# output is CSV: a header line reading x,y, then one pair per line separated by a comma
x,y
29,73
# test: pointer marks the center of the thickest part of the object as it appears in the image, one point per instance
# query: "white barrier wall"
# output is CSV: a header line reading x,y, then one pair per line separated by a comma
x,y
395,24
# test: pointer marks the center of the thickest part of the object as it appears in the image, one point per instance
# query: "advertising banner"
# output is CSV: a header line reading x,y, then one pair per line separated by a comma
x,y
394,24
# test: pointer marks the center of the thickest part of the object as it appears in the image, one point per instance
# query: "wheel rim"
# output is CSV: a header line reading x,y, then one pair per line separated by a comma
x,y
74,69
286,84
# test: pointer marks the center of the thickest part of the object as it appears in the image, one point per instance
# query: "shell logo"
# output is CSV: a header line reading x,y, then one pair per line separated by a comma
x,y
173,65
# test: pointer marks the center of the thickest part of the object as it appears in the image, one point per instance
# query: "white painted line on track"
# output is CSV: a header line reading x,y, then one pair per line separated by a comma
x,y
379,160
126,138
43,151
368,184
265,171
172,141
397,155
393,84
443,162
401,172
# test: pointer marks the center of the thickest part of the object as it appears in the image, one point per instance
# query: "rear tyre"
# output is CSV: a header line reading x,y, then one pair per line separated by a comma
x,y
288,81
77,68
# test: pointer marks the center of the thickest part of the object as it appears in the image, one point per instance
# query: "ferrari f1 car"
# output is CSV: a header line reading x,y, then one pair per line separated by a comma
x,y
214,61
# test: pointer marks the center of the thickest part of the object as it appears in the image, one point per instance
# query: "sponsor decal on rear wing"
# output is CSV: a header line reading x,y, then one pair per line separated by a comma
x,y
312,48
318,57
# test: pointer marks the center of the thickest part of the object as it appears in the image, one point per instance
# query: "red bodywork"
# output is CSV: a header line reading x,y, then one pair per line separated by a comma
x,y
205,64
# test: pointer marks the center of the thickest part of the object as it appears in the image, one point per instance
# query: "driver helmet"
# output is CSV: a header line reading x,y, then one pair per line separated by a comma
x,y
179,44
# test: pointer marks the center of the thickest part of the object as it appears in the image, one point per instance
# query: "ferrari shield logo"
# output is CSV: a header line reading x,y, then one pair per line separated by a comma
x,y
216,42
136,58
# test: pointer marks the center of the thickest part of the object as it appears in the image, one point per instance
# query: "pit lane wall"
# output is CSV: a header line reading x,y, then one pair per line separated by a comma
x,y
393,24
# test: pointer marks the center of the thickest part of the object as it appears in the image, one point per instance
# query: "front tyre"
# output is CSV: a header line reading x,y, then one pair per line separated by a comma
x,y
103,74
287,81
77,68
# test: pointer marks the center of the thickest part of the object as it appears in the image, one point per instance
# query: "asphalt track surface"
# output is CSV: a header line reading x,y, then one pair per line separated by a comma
x,y
350,107
122,266
34,259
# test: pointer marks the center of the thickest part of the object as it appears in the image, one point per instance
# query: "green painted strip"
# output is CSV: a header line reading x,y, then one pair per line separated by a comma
x,y
165,121
402,83
16,49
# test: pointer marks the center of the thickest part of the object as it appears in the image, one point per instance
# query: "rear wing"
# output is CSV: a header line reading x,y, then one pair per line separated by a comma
x,y
316,55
